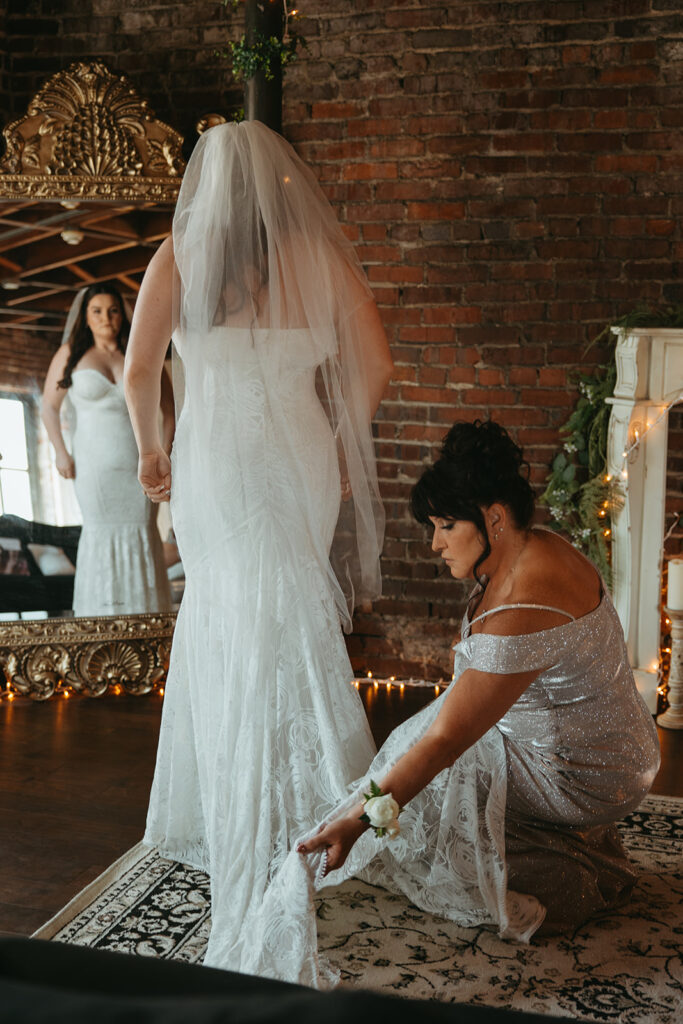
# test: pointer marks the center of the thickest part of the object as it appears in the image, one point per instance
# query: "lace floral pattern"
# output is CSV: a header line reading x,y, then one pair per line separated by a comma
x,y
261,730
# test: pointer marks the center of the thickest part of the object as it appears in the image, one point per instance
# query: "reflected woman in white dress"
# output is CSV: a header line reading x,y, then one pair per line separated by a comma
x,y
280,364
120,567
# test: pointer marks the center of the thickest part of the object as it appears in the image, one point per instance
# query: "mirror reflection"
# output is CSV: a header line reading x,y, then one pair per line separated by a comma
x,y
81,213
77,534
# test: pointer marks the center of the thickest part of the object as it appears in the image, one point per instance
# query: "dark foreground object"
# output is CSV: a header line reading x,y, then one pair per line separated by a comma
x,y
51,983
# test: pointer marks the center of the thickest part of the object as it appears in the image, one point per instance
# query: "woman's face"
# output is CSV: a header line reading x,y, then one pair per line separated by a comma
x,y
459,543
103,317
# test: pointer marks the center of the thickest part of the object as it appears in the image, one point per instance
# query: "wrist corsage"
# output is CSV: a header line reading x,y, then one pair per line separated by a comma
x,y
381,812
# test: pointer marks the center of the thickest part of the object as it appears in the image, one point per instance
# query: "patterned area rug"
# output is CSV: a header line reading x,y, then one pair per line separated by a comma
x,y
624,967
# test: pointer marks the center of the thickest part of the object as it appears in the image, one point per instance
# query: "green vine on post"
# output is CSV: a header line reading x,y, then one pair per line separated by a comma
x,y
263,55
581,498
265,52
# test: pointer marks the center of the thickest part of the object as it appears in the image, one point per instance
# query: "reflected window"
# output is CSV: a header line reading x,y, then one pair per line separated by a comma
x,y
15,483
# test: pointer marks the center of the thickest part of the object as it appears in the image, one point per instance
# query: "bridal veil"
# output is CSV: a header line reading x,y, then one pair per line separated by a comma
x,y
258,247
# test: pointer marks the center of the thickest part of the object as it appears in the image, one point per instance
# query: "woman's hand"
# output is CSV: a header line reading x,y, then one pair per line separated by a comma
x,y
66,466
154,474
346,492
337,838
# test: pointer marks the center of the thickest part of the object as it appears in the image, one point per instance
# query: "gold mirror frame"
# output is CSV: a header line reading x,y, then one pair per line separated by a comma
x,y
130,653
51,150
87,135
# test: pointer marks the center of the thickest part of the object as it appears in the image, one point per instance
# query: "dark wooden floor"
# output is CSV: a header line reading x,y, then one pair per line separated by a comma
x,y
75,780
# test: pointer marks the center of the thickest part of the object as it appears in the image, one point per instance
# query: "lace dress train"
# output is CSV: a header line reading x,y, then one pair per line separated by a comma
x,y
521,827
261,728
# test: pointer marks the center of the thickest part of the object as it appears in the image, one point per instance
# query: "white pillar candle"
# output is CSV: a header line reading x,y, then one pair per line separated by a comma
x,y
674,593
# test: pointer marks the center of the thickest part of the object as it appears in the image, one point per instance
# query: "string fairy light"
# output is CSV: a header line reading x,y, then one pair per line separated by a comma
x,y
375,684
639,434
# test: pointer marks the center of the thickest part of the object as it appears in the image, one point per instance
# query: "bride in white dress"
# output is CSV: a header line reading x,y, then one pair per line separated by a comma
x,y
281,361
120,566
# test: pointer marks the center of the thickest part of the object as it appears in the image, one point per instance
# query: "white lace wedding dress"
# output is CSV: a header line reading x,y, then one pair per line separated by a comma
x,y
261,728
120,565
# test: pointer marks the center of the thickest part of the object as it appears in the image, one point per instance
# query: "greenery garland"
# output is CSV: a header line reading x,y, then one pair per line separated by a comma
x,y
581,497
265,53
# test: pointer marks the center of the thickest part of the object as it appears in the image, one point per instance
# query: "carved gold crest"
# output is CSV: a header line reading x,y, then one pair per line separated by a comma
x,y
88,134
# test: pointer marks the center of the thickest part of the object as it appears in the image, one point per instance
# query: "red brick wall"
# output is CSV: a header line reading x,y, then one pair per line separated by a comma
x,y
24,359
168,49
511,174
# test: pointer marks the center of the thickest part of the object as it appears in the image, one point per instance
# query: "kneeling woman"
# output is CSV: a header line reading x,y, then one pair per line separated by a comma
x,y
512,780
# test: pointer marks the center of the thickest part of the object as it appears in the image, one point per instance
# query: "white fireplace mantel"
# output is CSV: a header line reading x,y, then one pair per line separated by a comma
x,y
649,377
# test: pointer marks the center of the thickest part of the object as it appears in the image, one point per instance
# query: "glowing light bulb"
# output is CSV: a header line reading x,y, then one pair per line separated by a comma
x,y
437,691
161,691
369,675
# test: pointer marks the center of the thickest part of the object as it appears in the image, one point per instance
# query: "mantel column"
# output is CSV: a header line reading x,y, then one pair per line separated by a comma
x,y
638,529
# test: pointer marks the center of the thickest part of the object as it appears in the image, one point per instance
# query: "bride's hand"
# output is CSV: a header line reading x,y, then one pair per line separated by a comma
x,y
337,838
346,492
66,466
154,474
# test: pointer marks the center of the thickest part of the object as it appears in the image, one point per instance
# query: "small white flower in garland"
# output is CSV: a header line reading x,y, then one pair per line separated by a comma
x,y
381,812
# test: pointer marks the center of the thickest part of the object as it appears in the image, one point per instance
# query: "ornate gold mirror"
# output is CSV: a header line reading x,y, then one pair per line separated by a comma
x,y
88,182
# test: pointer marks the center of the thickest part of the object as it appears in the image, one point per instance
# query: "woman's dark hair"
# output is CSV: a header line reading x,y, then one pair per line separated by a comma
x,y
81,338
246,253
479,464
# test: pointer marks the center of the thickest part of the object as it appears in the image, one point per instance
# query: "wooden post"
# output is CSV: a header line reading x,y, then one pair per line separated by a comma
x,y
263,97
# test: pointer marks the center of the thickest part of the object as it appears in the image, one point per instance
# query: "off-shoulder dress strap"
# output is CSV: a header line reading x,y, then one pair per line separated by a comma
x,y
536,607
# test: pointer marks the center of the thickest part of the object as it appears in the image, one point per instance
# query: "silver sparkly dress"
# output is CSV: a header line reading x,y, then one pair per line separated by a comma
x,y
520,831
581,751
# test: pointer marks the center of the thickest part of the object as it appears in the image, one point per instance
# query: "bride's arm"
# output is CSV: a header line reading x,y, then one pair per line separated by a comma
x,y
150,334
52,399
366,326
377,356
471,707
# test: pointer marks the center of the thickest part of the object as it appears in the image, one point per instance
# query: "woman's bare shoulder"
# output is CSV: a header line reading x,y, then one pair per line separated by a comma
x,y
550,573
554,573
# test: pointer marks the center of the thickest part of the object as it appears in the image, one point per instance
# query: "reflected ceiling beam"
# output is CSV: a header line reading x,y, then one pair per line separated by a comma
x,y
62,255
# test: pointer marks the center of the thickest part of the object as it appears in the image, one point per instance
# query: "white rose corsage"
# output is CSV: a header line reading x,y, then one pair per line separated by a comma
x,y
381,812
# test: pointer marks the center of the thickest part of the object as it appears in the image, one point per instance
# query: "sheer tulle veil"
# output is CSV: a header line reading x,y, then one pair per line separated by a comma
x,y
258,247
